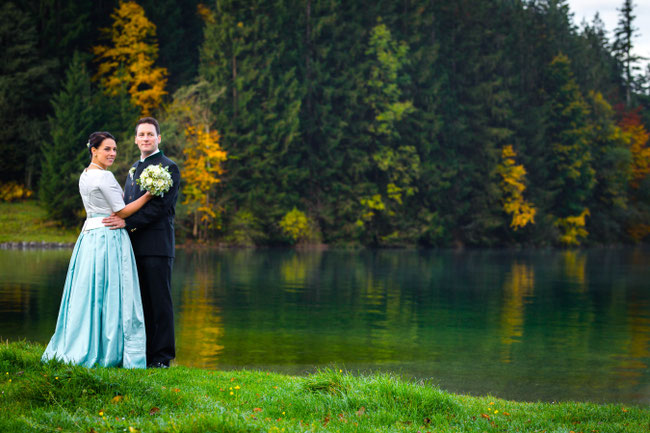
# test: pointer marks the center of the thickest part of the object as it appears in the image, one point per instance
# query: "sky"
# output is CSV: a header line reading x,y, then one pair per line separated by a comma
x,y
608,11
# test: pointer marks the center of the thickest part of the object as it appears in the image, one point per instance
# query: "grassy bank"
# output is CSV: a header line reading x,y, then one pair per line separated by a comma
x,y
57,397
27,222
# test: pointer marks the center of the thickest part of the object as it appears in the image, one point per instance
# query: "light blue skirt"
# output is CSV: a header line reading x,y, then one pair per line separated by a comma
x,y
101,321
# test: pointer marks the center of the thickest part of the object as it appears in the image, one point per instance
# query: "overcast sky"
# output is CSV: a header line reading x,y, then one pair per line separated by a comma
x,y
608,11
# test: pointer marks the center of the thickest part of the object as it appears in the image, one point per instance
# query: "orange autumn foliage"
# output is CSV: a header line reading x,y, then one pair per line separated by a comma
x,y
130,60
639,146
639,140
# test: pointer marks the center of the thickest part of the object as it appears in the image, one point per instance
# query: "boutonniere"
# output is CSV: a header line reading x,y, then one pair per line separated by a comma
x,y
131,172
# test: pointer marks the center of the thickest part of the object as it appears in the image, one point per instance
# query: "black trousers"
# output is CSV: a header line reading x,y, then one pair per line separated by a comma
x,y
155,274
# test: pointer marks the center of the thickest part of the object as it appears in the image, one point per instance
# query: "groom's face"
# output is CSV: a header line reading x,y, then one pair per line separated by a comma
x,y
147,139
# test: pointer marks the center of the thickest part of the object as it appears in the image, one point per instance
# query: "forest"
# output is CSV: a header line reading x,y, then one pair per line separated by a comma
x,y
410,123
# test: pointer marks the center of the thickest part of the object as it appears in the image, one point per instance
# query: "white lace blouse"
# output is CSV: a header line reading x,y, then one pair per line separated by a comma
x,y
100,192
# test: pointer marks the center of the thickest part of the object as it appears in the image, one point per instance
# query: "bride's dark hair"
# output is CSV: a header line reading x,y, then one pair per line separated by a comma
x,y
96,139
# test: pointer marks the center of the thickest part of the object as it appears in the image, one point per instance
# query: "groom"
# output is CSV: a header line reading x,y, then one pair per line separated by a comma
x,y
152,235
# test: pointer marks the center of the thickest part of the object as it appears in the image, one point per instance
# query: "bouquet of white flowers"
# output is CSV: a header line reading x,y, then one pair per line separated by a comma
x,y
156,179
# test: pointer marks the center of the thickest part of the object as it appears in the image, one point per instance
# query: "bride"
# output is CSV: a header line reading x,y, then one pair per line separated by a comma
x,y
101,321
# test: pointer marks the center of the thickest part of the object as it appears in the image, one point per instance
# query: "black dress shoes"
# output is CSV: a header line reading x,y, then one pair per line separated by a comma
x,y
157,364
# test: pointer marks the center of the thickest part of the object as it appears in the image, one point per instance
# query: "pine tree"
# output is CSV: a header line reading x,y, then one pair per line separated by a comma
x,y
131,57
477,116
421,128
624,35
180,36
249,52
25,84
570,176
612,163
333,138
596,68
64,158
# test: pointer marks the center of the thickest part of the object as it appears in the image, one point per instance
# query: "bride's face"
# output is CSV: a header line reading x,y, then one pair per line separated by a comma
x,y
105,153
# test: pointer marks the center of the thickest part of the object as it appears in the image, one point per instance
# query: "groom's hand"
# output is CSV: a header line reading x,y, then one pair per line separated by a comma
x,y
114,222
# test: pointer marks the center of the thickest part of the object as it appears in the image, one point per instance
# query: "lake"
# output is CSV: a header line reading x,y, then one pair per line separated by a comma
x,y
525,325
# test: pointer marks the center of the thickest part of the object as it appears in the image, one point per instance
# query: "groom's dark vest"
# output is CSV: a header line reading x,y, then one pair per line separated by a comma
x,y
152,228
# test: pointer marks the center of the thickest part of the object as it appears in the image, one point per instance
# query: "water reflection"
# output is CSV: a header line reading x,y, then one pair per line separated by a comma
x,y
518,287
528,325
199,324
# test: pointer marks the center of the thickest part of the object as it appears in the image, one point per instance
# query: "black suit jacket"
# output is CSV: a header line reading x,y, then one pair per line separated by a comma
x,y
152,228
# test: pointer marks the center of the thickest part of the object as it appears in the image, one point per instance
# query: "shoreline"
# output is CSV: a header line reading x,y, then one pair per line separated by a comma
x,y
36,245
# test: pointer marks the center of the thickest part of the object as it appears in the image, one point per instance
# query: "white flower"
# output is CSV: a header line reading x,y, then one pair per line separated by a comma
x,y
156,179
131,172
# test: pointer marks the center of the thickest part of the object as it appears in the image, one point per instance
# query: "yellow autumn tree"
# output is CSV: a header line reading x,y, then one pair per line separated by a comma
x,y
201,172
129,60
191,110
513,185
572,229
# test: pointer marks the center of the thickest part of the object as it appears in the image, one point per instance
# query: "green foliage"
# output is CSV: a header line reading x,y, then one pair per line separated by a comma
x,y
245,229
570,177
75,117
250,53
612,163
384,122
25,85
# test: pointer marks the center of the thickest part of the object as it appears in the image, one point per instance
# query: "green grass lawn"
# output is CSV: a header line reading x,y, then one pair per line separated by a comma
x,y
27,221
36,397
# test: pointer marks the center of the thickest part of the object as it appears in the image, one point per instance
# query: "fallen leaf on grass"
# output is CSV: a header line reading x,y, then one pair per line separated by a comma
x,y
117,399
485,416
154,410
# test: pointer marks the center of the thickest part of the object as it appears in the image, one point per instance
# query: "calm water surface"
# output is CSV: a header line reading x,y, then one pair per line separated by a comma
x,y
525,325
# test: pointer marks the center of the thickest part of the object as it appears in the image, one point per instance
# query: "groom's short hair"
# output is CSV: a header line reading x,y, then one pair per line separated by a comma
x,y
149,120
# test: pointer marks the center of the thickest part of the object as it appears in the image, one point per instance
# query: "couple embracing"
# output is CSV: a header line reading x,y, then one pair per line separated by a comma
x,y
116,308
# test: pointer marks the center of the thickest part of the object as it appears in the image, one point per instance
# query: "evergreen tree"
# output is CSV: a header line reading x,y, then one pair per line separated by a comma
x,y
570,176
477,116
250,53
179,33
24,84
64,158
597,68
333,138
612,163
624,35
421,128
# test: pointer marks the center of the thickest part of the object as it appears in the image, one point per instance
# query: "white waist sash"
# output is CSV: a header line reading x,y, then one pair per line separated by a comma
x,y
92,223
